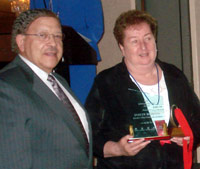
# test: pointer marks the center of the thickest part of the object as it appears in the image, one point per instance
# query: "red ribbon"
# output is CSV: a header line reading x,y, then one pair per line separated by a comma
x,y
162,142
187,148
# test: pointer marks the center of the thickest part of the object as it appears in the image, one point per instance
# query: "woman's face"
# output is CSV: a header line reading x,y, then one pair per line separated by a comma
x,y
139,46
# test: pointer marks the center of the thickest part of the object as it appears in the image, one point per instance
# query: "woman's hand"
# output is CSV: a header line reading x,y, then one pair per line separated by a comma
x,y
123,147
179,140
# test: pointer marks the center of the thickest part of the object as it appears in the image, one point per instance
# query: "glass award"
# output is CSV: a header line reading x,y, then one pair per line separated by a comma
x,y
146,130
143,127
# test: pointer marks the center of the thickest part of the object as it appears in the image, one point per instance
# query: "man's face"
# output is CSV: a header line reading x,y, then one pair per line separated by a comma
x,y
44,53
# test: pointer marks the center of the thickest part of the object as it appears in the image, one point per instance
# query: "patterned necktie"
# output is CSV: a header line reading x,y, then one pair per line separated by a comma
x,y
62,96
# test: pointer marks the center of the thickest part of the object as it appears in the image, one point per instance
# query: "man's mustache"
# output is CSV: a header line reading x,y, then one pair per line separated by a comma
x,y
51,49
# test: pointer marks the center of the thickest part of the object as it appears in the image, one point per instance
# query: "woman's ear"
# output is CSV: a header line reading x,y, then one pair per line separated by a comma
x,y
122,49
20,42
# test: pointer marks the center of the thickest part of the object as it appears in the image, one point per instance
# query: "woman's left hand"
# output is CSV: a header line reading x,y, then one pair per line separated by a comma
x,y
179,140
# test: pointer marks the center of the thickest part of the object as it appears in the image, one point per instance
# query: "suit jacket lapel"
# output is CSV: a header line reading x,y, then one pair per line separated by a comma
x,y
65,84
58,107
53,103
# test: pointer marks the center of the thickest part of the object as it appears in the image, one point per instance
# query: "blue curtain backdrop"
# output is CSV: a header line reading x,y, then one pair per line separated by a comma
x,y
86,17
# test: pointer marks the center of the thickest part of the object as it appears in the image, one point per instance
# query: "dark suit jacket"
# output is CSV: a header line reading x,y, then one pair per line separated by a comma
x,y
36,129
111,104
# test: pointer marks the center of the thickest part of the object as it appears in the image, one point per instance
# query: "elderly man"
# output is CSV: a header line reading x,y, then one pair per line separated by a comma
x,y
42,124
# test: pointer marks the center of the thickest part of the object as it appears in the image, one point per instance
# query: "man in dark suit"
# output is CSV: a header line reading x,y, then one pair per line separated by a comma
x,y
38,130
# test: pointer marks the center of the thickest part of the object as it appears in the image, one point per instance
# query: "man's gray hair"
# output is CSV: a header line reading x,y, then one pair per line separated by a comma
x,y
24,20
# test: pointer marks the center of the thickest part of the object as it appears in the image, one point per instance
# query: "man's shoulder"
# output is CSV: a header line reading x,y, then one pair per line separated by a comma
x,y
14,74
9,71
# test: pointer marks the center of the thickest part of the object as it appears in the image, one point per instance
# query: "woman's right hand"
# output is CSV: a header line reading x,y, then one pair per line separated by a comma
x,y
123,147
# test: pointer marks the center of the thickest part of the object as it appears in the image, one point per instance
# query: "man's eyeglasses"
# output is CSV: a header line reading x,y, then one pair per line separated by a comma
x,y
46,36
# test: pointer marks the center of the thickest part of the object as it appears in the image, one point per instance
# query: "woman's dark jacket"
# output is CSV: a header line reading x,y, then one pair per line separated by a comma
x,y
111,104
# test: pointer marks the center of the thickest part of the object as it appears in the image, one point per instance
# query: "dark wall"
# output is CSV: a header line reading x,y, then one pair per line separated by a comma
x,y
6,21
173,40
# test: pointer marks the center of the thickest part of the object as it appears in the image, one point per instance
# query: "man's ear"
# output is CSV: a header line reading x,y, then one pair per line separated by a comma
x,y
20,42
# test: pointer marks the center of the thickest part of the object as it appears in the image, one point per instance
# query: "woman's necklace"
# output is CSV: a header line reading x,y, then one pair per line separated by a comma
x,y
144,92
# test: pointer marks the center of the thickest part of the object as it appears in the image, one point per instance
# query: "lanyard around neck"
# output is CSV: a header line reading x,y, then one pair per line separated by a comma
x,y
144,92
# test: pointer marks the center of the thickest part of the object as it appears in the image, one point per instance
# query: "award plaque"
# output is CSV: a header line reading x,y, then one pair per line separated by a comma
x,y
142,124
161,130
144,128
